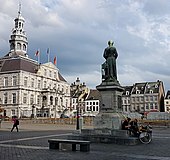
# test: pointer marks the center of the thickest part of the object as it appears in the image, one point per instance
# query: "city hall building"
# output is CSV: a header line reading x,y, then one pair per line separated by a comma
x,y
28,88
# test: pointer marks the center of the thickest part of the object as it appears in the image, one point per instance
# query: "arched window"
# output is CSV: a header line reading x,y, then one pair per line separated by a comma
x,y
16,24
51,100
56,101
18,45
12,46
24,47
19,24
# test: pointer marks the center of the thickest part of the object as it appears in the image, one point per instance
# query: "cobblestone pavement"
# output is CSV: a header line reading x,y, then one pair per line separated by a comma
x,y
31,143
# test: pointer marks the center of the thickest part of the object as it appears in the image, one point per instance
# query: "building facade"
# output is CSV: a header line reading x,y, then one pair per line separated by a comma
x,y
84,100
144,97
92,103
28,88
167,102
79,92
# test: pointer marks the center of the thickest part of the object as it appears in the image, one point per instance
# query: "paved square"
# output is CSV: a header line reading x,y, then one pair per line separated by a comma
x,y
31,143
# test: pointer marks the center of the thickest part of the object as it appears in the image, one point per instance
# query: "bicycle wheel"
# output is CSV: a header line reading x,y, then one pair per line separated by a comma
x,y
145,137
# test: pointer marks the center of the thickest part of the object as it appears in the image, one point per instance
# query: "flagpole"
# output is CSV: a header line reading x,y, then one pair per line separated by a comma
x,y
39,56
48,54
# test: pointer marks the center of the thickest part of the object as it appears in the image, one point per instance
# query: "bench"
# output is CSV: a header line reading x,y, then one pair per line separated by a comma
x,y
55,143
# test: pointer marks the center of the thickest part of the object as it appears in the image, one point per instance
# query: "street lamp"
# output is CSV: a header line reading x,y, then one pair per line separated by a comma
x,y
77,124
56,104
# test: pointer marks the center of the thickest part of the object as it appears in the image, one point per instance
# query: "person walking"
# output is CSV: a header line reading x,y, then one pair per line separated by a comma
x,y
15,124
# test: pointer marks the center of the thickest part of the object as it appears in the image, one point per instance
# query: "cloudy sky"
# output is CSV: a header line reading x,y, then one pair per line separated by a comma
x,y
77,31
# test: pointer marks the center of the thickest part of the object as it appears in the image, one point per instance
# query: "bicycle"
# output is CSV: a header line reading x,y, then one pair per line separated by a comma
x,y
145,134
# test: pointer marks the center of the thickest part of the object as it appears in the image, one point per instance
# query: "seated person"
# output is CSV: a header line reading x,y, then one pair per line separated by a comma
x,y
134,127
125,124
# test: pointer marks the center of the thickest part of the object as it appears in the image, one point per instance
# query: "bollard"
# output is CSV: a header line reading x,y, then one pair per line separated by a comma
x,y
80,122
0,122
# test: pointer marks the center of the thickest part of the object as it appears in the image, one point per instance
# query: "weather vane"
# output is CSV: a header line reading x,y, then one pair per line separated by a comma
x,y
19,11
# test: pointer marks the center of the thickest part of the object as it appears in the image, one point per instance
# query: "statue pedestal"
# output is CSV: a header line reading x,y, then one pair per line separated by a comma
x,y
108,121
110,116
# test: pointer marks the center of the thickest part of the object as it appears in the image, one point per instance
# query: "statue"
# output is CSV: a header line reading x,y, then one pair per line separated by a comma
x,y
109,72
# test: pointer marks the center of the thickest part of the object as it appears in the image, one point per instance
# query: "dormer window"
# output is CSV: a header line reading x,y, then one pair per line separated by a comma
x,y
151,91
137,92
127,92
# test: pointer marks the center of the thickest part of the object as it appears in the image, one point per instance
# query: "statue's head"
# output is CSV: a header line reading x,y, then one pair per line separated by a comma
x,y
110,43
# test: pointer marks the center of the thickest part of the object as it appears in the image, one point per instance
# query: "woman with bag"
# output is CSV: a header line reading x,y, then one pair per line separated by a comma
x,y
16,123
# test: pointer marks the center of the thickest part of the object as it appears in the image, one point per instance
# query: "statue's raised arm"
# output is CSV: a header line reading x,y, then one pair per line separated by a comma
x,y
109,72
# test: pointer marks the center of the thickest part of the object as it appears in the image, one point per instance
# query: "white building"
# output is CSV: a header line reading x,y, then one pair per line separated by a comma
x,y
92,103
28,88
84,100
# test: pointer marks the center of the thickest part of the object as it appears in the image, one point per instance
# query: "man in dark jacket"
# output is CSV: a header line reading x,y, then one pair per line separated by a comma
x,y
125,124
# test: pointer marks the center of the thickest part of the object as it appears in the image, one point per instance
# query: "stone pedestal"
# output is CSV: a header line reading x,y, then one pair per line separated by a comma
x,y
108,121
110,116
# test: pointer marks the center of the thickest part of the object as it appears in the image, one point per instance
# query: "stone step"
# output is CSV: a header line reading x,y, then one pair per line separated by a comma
x,y
107,139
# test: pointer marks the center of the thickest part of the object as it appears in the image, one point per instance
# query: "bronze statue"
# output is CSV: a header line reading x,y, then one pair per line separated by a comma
x,y
109,72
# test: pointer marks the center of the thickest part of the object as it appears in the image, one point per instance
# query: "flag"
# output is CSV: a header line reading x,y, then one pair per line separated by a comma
x,y
55,60
48,50
37,53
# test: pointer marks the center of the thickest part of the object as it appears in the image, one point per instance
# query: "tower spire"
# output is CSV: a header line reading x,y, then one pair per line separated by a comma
x,y
18,40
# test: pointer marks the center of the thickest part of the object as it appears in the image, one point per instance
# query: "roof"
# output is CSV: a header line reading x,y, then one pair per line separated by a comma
x,y
146,87
13,64
139,87
94,95
127,89
18,63
61,78
154,86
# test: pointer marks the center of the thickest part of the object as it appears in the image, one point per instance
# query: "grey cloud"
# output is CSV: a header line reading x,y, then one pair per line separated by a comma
x,y
77,34
157,7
